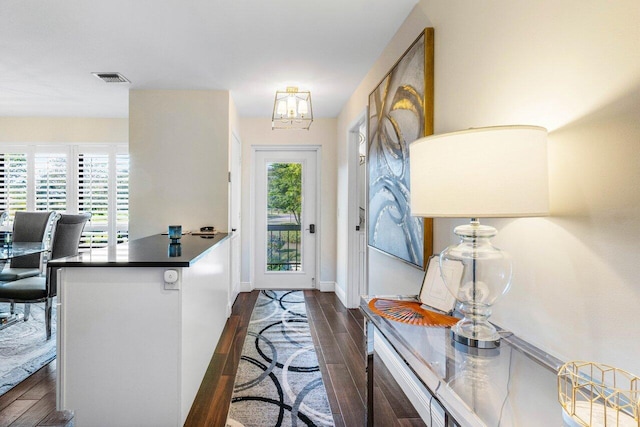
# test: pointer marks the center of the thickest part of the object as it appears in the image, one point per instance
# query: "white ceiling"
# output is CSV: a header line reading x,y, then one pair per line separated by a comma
x,y
48,50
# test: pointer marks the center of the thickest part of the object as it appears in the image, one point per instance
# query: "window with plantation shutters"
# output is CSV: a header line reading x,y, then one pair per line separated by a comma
x,y
13,182
50,182
122,197
103,190
69,179
93,196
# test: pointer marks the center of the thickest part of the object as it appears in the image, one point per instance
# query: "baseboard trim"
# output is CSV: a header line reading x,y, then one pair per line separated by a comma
x,y
342,296
324,287
327,286
417,394
232,300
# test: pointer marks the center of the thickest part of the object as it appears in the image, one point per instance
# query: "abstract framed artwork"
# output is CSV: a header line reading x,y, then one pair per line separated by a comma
x,y
400,111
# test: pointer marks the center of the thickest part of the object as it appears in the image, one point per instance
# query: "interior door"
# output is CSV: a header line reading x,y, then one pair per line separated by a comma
x,y
285,227
234,216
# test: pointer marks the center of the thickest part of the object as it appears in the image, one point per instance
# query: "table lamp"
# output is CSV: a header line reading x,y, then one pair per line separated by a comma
x,y
498,172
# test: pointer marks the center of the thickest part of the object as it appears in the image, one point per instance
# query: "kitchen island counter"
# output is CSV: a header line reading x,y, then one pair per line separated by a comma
x,y
151,251
138,327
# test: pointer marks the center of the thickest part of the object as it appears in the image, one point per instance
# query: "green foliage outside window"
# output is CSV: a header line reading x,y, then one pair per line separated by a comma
x,y
285,206
285,188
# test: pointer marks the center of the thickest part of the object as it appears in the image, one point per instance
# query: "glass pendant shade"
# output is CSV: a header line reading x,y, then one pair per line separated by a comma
x,y
302,108
478,173
291,107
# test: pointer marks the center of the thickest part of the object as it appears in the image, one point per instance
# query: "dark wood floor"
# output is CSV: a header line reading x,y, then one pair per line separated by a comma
x,y
33,402
337,333
339,337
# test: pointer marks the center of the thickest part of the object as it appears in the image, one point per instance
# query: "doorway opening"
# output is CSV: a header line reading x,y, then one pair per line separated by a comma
x,y
357,252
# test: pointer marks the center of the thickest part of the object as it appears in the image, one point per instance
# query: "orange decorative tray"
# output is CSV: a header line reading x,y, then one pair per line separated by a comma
x,y
410,312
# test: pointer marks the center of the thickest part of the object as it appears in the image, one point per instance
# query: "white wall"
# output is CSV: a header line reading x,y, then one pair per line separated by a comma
x,y
257,131
178,145
573,67
63,129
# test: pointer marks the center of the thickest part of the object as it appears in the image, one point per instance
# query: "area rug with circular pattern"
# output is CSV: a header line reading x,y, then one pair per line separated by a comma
x,y
278,382
23,346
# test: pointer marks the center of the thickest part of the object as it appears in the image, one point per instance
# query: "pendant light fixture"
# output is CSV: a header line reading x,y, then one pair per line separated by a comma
x,y
292,109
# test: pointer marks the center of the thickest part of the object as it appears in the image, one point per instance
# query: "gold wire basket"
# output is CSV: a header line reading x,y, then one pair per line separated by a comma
x,y
593,394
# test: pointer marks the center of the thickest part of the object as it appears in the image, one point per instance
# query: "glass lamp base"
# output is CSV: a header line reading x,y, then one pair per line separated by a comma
x,y
472,342
476,273
474,334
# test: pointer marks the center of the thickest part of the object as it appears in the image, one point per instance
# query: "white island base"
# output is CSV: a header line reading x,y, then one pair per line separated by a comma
x,y
132,353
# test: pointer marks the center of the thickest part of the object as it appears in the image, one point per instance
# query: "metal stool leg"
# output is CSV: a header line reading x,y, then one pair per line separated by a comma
x,y
47,316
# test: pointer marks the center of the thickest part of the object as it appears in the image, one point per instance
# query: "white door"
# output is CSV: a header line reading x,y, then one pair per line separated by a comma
x,y
357,241
234,217
285,228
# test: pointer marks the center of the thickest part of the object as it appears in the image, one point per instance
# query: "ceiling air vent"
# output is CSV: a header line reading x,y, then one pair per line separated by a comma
x,y
111,77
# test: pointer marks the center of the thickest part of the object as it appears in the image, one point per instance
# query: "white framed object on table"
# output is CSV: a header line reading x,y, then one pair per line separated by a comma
x,y
434,292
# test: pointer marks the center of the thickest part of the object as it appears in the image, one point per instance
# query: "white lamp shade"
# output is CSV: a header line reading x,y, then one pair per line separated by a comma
x,y
479,173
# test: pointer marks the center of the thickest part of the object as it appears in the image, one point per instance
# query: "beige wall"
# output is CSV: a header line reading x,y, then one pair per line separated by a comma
x,y
234,132
234,119
257,131
573,67
63,129
386,275
178,144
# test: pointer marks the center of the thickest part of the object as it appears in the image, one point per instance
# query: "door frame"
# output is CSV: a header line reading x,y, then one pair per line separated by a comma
x,y
252,208
353,290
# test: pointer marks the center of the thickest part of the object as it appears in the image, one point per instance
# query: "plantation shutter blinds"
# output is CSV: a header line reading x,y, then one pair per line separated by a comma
x,y
93,197
13,182
50,182
122,197
67,179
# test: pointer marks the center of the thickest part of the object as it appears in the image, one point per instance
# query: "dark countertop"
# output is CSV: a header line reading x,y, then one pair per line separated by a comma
x,y
151,251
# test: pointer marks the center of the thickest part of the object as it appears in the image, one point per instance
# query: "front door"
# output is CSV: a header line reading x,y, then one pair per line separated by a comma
x,y
285,219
